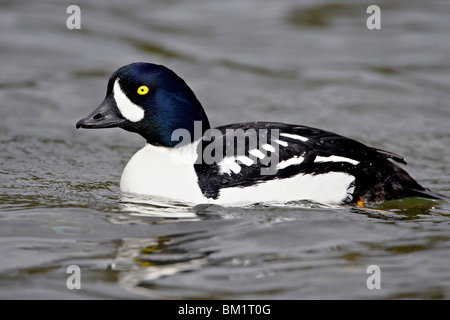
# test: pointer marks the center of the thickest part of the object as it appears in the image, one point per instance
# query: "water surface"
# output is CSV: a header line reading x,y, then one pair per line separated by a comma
x,y
306,62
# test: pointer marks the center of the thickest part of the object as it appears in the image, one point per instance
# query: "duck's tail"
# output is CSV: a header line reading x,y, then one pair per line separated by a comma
x,y
384,180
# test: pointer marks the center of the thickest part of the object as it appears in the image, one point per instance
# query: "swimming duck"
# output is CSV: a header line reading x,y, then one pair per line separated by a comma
x,y
186,160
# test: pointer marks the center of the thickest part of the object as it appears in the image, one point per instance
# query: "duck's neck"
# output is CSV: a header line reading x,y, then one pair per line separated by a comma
x,y
175,132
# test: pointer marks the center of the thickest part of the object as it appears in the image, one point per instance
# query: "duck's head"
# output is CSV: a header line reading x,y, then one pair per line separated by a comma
x,y
150,100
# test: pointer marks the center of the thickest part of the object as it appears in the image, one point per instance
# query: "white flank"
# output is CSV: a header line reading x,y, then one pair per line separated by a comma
x,y
268,147
294,136
335,159
289,162
282,143
129,110
328,188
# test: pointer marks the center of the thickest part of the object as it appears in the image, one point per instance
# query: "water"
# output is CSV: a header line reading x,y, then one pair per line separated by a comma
x,y
306,62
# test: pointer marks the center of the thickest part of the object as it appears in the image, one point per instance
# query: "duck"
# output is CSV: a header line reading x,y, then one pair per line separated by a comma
x,y
185,159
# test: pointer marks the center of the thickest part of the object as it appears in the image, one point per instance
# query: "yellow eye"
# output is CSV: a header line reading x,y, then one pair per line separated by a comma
x,y
142,90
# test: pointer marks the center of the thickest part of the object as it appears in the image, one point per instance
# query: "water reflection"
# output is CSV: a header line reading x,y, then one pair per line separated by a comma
x,y
154,207
409,208
402,209
142,261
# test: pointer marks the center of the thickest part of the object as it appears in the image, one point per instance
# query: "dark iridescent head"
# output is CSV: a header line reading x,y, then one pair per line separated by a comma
x,y
150,100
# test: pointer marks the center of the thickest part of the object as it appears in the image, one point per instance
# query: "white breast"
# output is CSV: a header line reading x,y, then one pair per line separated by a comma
x,y
162,172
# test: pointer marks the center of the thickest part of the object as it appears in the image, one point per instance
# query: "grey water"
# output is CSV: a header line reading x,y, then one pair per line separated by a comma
x,y
310,62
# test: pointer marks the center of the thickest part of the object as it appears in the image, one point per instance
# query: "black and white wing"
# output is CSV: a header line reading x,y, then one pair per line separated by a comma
x,y
247,154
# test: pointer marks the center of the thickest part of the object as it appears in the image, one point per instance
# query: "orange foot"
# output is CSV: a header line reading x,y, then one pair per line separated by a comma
x,y
360,203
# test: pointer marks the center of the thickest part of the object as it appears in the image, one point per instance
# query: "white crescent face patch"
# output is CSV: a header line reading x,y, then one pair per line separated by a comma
x,y
128,109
